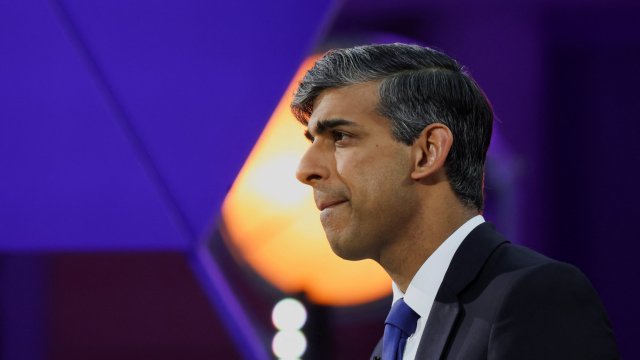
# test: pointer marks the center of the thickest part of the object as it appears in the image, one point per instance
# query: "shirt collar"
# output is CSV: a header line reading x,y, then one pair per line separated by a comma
x,y
425,284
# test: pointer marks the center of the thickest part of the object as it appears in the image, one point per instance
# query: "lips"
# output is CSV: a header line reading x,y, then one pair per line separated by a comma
x,y
325,204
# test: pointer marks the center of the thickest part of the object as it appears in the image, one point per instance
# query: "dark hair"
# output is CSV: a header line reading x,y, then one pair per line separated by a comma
x,y
418,86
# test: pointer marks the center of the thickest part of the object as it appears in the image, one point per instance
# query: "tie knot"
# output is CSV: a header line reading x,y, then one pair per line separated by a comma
x,y
402,317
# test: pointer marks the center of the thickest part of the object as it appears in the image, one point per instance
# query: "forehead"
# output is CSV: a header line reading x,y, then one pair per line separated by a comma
x,y
353,102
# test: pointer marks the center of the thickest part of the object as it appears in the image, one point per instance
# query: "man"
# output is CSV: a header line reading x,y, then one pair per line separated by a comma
x,y
399,136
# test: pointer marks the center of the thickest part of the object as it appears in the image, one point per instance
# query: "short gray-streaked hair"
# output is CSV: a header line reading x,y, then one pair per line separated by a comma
x,y
419,86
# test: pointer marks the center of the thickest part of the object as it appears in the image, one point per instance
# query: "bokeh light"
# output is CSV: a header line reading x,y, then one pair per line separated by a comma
x,y
289,344
289,314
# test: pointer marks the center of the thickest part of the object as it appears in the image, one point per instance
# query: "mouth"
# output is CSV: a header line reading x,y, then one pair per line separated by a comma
x,y
330,204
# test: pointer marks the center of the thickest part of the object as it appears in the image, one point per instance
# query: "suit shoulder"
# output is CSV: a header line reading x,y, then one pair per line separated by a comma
x,y
547,308
512,256
548,282
530,277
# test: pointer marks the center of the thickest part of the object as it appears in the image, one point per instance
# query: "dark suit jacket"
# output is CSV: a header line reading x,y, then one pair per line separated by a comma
x,y
502,301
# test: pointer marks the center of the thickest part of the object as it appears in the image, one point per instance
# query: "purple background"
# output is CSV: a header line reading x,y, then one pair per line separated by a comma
x,y
122,125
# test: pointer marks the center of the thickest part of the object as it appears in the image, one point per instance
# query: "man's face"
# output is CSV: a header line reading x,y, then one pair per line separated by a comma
x,y
359,173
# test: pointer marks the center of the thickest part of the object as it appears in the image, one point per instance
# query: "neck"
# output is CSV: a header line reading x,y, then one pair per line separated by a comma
x,y
405,255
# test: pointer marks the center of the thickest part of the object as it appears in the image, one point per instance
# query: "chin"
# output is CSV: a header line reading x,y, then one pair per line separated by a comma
x,y
340,247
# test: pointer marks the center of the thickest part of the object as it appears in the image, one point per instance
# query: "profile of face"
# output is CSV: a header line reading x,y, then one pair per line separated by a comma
x,y
360,174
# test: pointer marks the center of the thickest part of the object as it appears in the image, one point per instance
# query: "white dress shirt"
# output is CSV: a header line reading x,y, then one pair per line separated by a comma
x,y
425,284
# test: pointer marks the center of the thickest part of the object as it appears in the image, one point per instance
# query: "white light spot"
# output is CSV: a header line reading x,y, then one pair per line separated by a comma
x,y
289,344
289,314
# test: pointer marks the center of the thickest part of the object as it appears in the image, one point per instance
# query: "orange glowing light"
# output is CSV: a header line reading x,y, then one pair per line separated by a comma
x,y
272,221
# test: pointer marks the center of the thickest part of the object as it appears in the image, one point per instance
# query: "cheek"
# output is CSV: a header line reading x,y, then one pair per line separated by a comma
x,y
370,180
350,167
350,156
368,173
356,170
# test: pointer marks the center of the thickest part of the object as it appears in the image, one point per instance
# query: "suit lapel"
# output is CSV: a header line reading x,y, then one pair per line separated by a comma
x,y
465,265
377,352
441,320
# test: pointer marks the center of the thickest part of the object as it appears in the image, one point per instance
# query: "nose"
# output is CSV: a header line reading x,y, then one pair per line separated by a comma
x,y
312,167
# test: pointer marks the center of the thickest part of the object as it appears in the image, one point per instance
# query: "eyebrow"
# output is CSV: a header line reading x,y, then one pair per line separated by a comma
x,y
324,125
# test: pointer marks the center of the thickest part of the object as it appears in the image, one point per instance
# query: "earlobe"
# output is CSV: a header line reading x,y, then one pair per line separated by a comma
x,y
430,150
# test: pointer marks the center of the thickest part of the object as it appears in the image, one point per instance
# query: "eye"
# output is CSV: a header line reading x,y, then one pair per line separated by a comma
x,y
339,136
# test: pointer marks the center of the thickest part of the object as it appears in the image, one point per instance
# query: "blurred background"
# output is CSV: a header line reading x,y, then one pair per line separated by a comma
x,y
148,208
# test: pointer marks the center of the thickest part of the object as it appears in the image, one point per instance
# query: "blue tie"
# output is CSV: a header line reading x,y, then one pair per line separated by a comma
x,y
400,324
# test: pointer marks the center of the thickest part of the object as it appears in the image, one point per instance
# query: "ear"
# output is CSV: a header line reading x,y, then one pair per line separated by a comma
x,y
430,150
